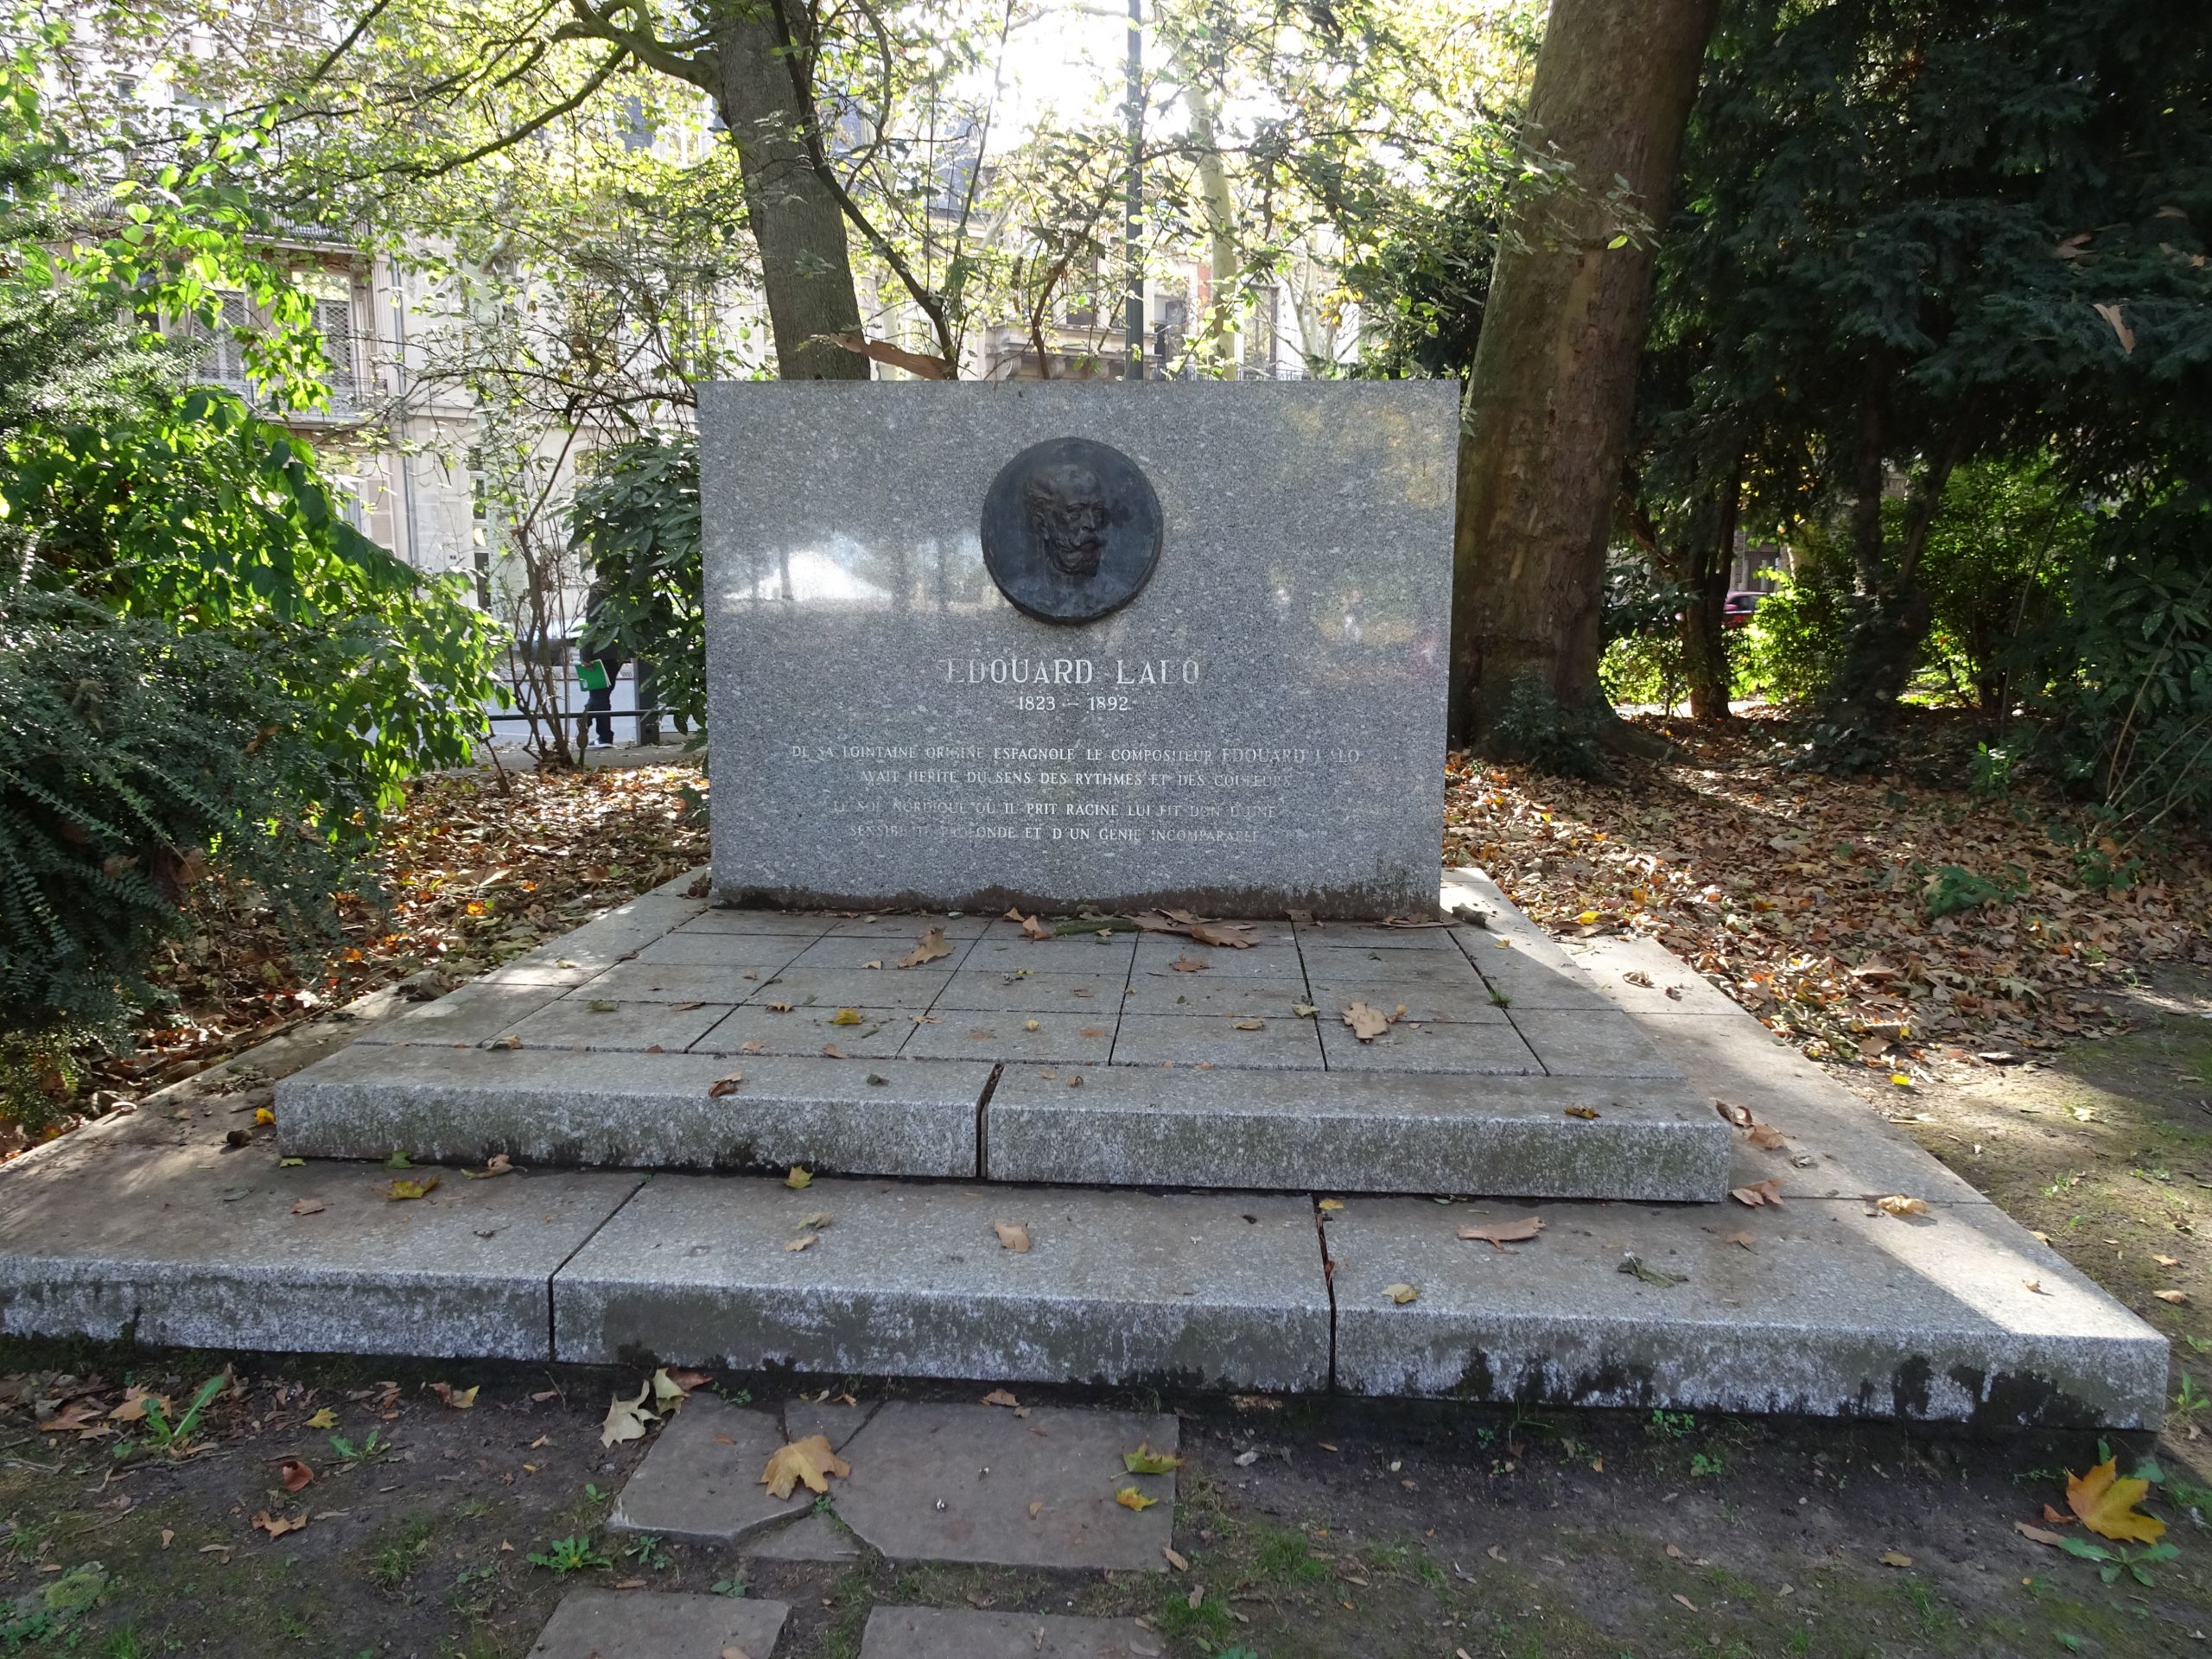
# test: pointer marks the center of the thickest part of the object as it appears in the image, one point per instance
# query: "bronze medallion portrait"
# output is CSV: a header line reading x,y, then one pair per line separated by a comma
x,y
1071,529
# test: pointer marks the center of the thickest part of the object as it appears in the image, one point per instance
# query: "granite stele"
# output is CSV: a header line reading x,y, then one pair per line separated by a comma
x,y
1078,759
972,645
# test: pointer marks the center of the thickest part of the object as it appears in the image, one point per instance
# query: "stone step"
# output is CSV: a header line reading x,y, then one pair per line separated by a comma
x,y
1109,1126
1823,1307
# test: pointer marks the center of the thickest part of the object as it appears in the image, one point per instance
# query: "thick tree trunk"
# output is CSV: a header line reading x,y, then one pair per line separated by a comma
x,y
806,270
1553,384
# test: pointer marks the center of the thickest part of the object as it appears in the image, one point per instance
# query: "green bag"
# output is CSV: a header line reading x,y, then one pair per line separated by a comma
x,y
591,675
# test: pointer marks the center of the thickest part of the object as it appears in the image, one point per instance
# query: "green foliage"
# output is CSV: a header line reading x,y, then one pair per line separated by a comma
x,y
635,520
1995,567
202,666
566,1555
1533,727
1953,889
131,756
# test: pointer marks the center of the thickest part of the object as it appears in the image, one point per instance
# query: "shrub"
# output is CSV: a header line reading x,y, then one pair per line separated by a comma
x,y
636,522
131,758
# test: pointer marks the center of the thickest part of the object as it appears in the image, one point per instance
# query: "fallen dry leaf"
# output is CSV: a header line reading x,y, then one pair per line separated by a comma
x,y
1129,1498
1013,1236
848,1017
2036,1285
751,1046
1584,1112
2166,1260
1367,1024
401,1189
1251,1024
308,1207
1766,1137
1739,1116
798,1178
1896,1203
2178,1298
293,1474
1187,963
456,1399
809,1462
324,1418
1146,1461
1401,1294
1637,976
725,1085
1000,1397
278,1525
780,1007
1742,1241
1499,1234
931,948
627,1418
2040,1535
1896,1557
1759,1192
497,1165
1237,936
803,1241
831,1051
1168,1553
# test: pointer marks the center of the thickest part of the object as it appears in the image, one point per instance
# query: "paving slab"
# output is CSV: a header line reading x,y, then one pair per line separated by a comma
x,y
1157,953
641,1624
812,1537
1531,984
1675,987
581,1022
805,926
1425,1001
965,1484
700,1478
599,943
959,1633
1828,1310
202,1247
756,953
672,981
837,1419
884,988
1082,1038
1360,964
1237,996
911,926
911,1280
847,953
1329,1132
1283,1040
877,1035
1451,1049
545,1106
1007,950
1590,1043
991,991
470,1013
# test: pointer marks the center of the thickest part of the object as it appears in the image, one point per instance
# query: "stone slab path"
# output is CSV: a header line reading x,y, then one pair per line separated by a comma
x,y
672,1035
149,1225
935,1633
610,1625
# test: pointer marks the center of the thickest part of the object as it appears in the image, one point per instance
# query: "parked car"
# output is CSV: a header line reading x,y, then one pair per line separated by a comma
x,y
1737,610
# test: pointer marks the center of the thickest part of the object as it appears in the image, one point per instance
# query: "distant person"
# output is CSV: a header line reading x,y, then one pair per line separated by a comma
x,y
600,662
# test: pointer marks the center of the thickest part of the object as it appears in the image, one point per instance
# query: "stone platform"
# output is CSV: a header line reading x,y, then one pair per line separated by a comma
x,y
671,1034
149,1226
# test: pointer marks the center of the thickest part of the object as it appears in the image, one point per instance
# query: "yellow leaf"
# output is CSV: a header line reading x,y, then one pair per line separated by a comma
x,y
797,1178
1146,1461
809,1461
1013,1236
400,1189
846,1017
324,1418
1587,917
1896,1557
2178,1298
1900,1206
1332,1204
1399,1294
1900,1079
2106,1504
262,1115
1129,1498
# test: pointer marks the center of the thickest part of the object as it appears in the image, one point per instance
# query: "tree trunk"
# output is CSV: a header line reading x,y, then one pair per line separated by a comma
x,y
1704,629
806,270
1553,384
